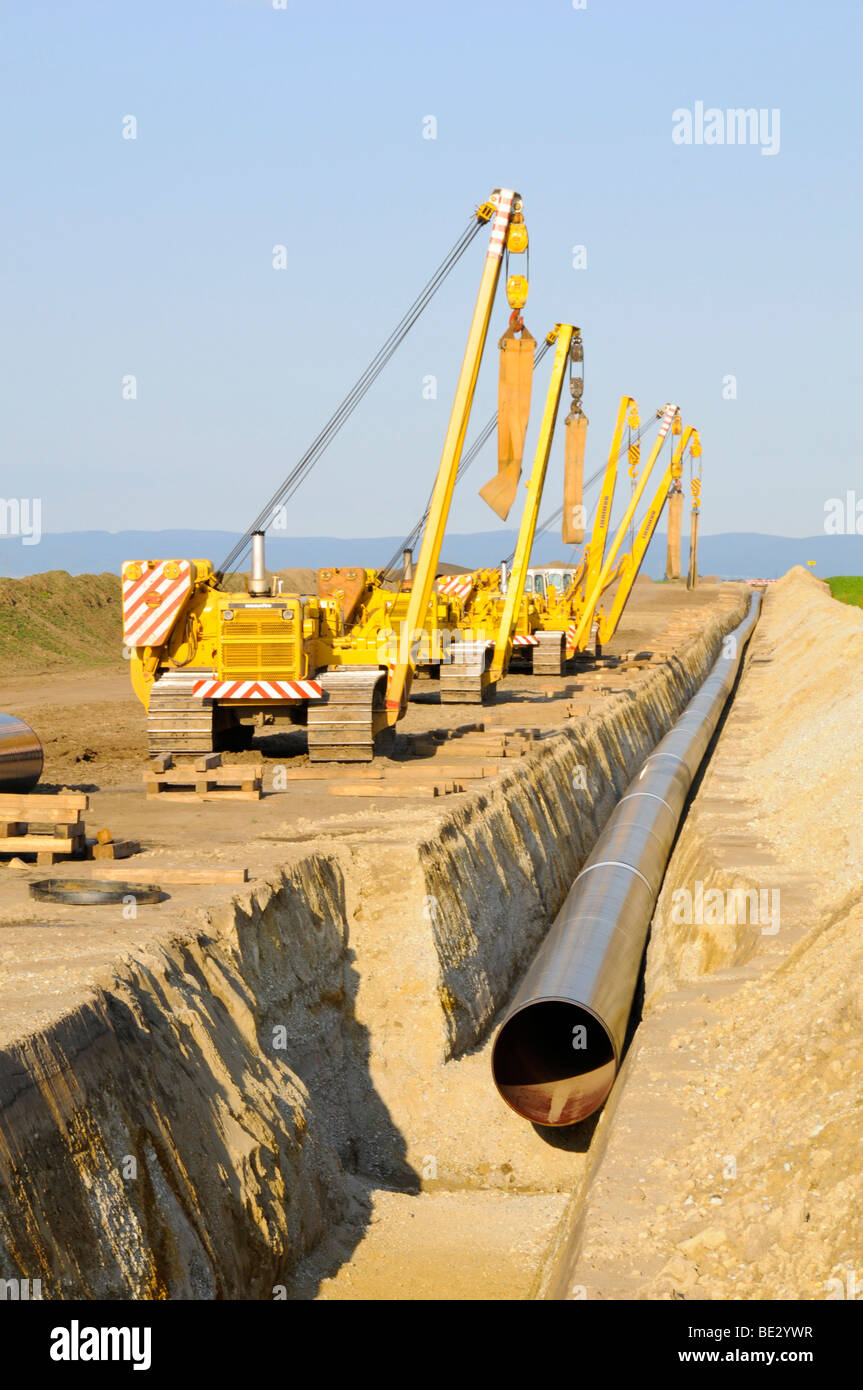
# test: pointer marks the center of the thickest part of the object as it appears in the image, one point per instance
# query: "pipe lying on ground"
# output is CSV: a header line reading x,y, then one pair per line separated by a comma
x,y
20,755
558,1049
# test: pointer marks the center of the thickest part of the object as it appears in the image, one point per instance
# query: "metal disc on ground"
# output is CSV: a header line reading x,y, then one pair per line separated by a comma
x,y
87,891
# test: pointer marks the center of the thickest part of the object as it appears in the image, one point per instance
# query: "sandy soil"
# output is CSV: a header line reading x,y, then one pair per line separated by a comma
x,y
50,956
733,1168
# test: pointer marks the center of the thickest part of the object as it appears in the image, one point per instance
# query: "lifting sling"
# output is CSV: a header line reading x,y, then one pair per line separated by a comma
x,y
513,409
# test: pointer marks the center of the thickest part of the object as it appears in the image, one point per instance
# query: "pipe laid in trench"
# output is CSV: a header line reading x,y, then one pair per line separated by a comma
x,y
20,755
558,1049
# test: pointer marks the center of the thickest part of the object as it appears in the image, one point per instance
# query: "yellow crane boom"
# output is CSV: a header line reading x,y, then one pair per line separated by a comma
x,y
602,520
602,580
506,202
631,563
563,335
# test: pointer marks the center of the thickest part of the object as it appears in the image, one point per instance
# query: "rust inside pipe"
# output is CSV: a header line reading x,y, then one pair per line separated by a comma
x,y
553,1062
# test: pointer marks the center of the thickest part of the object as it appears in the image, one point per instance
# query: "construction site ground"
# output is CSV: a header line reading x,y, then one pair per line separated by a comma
x,y
700,1181
93,732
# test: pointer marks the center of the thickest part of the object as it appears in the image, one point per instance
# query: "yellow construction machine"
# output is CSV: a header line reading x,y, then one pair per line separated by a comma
x,y
575,611
539,626
207,664
492,621
625,568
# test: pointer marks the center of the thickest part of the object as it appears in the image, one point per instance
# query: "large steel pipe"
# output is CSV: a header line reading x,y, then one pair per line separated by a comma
x,y
558,1050
20,755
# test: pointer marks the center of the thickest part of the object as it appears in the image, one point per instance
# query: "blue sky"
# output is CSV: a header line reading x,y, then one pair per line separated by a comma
x,y
303,126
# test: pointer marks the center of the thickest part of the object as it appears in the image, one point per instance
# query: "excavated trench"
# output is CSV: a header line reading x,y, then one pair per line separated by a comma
x,y
295,1100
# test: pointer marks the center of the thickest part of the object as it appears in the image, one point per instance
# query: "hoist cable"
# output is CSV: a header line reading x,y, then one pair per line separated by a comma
x,y
556,515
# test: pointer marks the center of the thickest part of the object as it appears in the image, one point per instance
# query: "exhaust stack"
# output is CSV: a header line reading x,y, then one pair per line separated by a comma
x,y
559,1048
259,582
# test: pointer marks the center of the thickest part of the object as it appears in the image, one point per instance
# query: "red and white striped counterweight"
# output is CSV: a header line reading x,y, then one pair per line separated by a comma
x,y
456,585
153,593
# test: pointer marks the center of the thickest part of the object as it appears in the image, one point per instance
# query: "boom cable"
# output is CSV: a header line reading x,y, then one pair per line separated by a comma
x,y
467,459
343,412
554,517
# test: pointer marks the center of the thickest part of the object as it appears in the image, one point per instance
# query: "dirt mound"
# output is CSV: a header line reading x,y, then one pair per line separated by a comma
x,y
734,1167
789,1088
59,619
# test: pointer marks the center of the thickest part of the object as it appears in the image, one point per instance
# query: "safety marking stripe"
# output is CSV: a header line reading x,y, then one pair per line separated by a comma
x,y
500,223
153,630
257,690
146,625
456,585
666,420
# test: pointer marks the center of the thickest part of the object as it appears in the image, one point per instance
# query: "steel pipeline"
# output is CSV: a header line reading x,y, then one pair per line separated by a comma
x,y
558,1049
20,755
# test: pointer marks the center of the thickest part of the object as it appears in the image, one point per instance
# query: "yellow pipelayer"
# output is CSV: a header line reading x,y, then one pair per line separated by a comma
x,y
601,580
203,659
631,563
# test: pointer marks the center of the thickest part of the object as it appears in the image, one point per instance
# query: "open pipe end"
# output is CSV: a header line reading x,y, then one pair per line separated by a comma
x,y
553,1062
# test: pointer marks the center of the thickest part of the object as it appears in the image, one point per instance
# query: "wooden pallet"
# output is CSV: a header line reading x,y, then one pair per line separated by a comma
x,y
203,779
46,824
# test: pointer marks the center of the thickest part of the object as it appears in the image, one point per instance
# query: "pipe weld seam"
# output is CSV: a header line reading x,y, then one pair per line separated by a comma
x,y
676,756
655,795
615,864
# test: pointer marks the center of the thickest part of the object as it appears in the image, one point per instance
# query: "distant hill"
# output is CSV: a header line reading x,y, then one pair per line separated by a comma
x,y
733,555
749,555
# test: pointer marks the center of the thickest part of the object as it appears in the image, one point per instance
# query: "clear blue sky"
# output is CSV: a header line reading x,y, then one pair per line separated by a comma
x,y
303,126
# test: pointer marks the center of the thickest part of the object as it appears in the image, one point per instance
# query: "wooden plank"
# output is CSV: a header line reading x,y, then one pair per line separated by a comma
x,y
385,789
10,828
475,754
49,806
208,760
432,769
467,772
324,771
118,849
164,874
104,837
227,794
33,844
68,828
341,752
